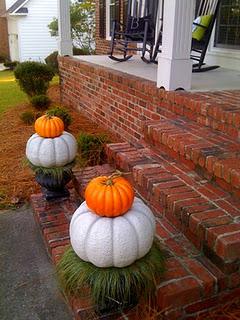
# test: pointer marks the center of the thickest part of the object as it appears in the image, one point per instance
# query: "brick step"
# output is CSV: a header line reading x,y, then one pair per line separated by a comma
x,y
210,152
192,283
219,110
207,215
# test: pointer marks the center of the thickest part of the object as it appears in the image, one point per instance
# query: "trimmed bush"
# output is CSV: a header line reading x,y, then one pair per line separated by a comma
x,y
63,114
27,117
91,148
40,102
52,61
33,77
11,64
81,51
2,59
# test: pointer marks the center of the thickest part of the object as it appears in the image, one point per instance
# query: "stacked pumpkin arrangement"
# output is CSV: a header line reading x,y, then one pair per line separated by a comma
x,y
112,252
51,152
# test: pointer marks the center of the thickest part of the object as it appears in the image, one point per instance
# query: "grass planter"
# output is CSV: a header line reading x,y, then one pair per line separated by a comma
x,y
111,289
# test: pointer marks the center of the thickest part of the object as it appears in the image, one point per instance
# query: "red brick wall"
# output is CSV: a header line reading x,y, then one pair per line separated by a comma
x,y
109,98
122,102
4,48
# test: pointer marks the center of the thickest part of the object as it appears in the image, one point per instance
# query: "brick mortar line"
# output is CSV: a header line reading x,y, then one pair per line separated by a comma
x,y
173,281
58,239
162,226
191,131
215,286
192,187
219,237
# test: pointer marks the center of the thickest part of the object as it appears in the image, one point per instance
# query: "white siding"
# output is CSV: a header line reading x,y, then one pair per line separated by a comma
x,y
35,41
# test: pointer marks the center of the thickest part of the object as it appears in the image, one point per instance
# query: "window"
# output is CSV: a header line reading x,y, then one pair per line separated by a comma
x,y
228,25
112,13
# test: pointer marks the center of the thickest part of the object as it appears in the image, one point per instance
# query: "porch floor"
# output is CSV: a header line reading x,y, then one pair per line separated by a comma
x,y
219,79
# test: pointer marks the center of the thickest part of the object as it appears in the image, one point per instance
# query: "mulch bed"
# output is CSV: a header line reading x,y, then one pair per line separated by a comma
x,y
228,311
16,179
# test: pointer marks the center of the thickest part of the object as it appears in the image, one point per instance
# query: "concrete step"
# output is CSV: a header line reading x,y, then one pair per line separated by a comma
x,y
192,283
206,214
209,152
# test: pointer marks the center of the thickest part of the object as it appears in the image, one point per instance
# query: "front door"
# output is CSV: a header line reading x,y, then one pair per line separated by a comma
x,y
13,46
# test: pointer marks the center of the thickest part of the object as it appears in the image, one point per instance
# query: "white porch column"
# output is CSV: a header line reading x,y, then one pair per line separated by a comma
x,y
64,28
174,64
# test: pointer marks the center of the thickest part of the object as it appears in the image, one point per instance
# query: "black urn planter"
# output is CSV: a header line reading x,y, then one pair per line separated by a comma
x,y
53,187
112,306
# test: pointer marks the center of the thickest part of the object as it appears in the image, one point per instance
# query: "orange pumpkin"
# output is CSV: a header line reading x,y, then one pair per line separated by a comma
x,y
49,126
109,196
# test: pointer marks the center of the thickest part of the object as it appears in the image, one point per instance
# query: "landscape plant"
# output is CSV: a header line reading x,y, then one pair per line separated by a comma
x,y
28,117
92,148
33,77
62,114
40,102
2,59
11,65
52,61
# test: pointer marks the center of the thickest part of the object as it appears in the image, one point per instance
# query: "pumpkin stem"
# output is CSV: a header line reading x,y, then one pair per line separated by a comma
x,y
115,174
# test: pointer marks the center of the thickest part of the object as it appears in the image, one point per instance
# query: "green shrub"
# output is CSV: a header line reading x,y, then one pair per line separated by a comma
x,y
28,117
40,102
63,114
11,64
2,59
81,51
52,61
91,148
33,77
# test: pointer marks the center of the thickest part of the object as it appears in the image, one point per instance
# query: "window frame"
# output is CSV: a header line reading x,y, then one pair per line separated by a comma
x,y
108,27
216,31
223,51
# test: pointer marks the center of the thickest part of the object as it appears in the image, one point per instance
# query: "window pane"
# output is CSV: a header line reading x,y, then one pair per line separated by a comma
x,y
228,25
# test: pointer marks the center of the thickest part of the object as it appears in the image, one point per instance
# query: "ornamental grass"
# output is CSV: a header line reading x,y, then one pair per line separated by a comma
x,y
55,172
111,288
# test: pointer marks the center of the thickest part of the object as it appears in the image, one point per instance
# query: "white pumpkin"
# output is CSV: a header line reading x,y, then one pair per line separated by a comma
x,y
51,152
108,242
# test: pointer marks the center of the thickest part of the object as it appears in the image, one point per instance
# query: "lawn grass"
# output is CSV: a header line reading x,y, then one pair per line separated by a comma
x,y
10,93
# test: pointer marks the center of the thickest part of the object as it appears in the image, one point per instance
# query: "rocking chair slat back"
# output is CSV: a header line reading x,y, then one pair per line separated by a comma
x,y
139,28
207,7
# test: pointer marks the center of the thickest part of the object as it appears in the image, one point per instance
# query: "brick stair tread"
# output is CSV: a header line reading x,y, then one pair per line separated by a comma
x,y
191,282
219,110
198,147
206,214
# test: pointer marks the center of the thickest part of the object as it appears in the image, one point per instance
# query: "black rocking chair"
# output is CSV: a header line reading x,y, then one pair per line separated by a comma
x,y
205,8
139,29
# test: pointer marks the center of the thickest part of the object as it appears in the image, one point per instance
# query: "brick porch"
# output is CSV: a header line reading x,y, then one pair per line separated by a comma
x,y
182,153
